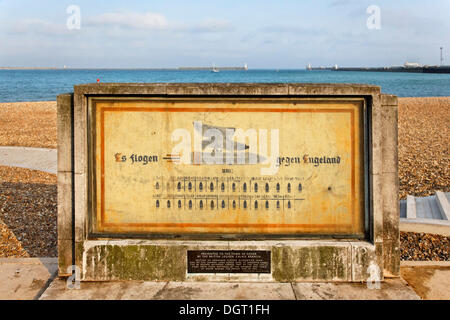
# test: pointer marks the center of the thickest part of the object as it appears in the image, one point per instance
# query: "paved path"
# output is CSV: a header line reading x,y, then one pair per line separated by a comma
x,y
430,279
35,278
391,289
25,278
31,158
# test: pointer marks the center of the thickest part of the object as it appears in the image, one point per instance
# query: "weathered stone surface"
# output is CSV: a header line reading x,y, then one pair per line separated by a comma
x,y
390,182
376,203
391,257
226,291
379,260
389,100
376,146
226,88
134,262
65,183
363,255
166,260
80,133
64,257
64,120
429,279
332,89
81,206
65,222
312,263
130,290
390,139
391,289
391,207
121,88
139,290
79,251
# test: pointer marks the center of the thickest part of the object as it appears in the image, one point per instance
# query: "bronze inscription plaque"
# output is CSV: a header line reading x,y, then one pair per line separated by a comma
x,y
228,261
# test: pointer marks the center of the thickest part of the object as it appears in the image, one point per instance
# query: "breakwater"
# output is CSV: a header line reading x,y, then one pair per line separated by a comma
x,y
419,69
424,69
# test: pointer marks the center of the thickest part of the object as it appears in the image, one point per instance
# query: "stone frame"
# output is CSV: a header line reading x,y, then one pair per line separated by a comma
x,y
321,260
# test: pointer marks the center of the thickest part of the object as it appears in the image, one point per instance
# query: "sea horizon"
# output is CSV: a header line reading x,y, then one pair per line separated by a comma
x,y
21,85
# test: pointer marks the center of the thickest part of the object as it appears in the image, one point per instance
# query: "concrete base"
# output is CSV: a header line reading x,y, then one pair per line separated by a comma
x,y
390,289
25,278
165,260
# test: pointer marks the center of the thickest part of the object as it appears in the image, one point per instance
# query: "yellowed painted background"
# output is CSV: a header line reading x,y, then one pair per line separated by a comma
x,y
330,200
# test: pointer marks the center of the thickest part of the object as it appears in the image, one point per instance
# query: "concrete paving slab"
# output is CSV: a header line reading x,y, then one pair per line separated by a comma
x,y
226,291
433,226
142,290
32,278
25,278
30,158
390,289
429,279
125,290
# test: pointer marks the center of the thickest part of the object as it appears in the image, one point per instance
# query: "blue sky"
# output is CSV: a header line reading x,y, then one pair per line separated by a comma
x,y
264,34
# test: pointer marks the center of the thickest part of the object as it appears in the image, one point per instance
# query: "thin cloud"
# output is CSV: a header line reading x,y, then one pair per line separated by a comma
x,y
37,26
210,25
119,24
407,22
298,30
156,22
132,20
340,3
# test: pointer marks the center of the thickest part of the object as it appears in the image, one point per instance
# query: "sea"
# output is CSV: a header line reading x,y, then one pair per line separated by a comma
x,y
44,85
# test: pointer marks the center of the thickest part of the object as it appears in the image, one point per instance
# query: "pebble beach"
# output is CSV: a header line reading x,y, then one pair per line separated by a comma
x,y
28,199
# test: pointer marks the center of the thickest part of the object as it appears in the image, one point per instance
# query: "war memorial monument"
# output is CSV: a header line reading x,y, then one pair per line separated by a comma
x,y
228,182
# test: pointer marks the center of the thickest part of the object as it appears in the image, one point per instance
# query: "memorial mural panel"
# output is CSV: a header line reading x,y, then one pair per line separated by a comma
x,y
228,166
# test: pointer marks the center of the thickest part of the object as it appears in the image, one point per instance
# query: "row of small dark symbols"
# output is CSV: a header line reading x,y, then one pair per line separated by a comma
x,y
245,204
202,186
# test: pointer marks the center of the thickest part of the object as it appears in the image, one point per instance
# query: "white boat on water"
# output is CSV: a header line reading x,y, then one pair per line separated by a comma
x,y
214,69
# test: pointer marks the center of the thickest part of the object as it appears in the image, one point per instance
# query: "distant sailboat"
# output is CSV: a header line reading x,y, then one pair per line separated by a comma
x,y
214,69
245,67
